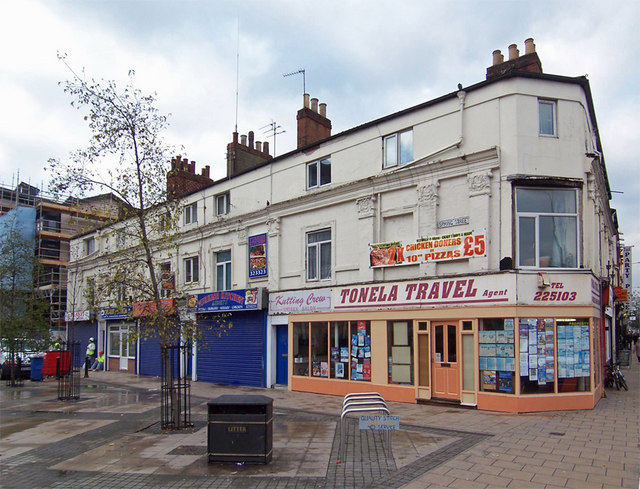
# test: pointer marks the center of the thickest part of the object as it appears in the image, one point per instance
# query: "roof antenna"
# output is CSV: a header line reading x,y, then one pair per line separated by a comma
x,y
237,68
274,130
304,83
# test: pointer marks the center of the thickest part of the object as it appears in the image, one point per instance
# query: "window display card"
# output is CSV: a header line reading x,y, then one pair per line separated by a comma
x,y
340,370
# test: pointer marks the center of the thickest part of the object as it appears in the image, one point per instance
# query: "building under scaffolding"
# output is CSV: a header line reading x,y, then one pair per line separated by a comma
x,y
56,222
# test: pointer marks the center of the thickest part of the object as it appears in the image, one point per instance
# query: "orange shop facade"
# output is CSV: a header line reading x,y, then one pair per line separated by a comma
x,y
509,341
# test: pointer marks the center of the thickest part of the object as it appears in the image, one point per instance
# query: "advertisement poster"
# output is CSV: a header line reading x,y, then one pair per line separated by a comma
x,y
470,244
258,255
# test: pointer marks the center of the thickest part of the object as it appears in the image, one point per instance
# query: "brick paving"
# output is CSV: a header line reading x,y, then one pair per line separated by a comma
x,y
110,438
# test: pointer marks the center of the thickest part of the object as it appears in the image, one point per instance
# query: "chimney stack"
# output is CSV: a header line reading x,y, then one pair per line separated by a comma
x,y
246,155
529,62
182,178
313,124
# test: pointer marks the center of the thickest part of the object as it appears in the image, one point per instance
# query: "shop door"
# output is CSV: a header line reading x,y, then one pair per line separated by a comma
x,y
282,352
444,360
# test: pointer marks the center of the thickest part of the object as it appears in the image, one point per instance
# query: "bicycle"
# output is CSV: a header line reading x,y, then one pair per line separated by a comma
x,y
614,376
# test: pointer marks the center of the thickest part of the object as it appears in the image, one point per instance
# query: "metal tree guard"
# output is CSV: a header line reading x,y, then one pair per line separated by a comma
x,y
176,388
68,367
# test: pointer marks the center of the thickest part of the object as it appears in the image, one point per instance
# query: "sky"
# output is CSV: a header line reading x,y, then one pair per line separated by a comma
x,y
214,65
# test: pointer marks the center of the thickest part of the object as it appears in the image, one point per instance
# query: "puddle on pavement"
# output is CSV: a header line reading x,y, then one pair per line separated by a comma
x,y
9,426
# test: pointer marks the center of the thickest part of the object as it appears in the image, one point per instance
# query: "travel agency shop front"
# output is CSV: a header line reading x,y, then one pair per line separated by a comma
x,y
509,341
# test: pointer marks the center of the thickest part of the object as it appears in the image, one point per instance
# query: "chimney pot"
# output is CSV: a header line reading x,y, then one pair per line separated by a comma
x,y
323,109
235,136
259,146
207,169
265,147
497,57
314,104
529,46
305,101
513,51
243,140
250,139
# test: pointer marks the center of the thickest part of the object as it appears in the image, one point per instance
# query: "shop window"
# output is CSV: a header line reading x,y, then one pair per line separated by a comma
x,y
360,350
339,337
398,149
301,349
547,227
319,350
349,356
537,356
400,345
497,356
319,173
574,362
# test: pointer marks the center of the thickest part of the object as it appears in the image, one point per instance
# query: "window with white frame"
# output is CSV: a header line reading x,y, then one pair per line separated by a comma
x,y
191,213
547,117
223,204
319,255
191,271
319,173
223,270
89,246
547,222
398,148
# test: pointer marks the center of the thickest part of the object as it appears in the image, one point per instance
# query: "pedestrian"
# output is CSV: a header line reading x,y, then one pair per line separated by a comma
x,y
98,364
90,353
636,346
58,344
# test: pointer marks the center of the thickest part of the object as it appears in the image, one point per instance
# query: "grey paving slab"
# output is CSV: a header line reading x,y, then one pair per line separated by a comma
x,y
111,438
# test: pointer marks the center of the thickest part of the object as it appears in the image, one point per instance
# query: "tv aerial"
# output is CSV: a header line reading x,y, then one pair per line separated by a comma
x,y
302,72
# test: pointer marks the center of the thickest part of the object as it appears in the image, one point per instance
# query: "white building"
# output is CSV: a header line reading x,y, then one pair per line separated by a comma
x,y
455,251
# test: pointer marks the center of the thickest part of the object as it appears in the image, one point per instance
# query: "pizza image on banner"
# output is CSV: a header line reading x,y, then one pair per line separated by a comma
x,y
458,246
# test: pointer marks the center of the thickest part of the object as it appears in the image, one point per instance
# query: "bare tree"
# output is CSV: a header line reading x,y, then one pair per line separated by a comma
x,y
126,132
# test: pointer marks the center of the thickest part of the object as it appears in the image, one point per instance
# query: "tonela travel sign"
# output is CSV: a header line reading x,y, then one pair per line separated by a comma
x,y
457,246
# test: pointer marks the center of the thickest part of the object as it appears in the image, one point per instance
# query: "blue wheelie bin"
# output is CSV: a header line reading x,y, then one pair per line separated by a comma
x,y
36,368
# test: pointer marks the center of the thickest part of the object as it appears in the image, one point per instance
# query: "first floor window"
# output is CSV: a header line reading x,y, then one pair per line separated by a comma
x,y
89,246
223,270
319,255
547,221
319,173
191,270
398,148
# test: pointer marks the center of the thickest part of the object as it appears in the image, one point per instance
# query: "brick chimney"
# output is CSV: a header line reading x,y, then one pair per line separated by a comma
x,y
313,124
245,155
529,61
182,178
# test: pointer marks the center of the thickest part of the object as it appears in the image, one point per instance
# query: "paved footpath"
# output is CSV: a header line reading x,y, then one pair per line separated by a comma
x,y
111,438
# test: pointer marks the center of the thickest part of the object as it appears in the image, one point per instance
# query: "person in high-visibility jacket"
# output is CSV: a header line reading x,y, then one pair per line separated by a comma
x,y
98,364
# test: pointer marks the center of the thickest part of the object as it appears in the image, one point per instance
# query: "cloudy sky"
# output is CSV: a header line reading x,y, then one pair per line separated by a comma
x,y
365,59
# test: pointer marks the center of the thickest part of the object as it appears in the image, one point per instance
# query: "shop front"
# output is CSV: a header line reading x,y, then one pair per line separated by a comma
x,y
114,326
512,342
233,346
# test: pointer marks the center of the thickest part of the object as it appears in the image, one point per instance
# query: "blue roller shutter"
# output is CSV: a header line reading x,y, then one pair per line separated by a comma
x,y
235,355
150,357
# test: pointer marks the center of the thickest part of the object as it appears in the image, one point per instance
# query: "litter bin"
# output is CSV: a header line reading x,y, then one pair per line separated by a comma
x,y
36,368
240,429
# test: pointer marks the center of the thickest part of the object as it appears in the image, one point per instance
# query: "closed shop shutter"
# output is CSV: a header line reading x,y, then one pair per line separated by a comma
x,y
236,355
150,357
